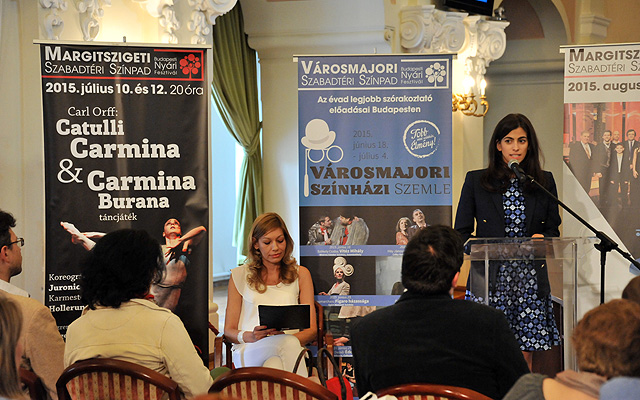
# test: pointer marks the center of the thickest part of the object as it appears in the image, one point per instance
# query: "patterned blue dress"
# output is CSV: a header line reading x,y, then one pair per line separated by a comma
x,y
515,291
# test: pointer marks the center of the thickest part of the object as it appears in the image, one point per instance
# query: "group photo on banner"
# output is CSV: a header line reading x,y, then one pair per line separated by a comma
x,y
601,139
375,156
126,147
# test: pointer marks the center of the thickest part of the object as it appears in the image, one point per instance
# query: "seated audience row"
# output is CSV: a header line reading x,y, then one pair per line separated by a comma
x,y
425,337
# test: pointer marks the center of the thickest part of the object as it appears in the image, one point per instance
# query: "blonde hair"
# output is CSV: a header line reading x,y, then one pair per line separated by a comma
x,y
10,326
264,224
607,339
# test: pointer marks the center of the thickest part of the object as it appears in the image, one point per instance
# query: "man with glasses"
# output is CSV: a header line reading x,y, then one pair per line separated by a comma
x,y
43,346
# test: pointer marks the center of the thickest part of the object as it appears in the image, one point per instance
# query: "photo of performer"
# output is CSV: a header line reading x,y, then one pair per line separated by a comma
x,y
493,203
603,160
351,231
631,147
581,160
420,222
340,269
320,231
402,231
176,249
619,177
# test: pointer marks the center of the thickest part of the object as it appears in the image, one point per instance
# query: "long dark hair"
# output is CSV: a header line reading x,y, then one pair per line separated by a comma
x,y
496,177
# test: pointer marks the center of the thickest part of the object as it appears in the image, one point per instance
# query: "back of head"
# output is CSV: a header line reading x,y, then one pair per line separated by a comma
x,y
632,290
431,259
607,339
10,326
121,266
6,222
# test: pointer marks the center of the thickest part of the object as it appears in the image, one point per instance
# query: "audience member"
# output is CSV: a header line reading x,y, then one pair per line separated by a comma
x,y
607,345
621,388
10,349
632,290
43,346
121,320
270,275
427,337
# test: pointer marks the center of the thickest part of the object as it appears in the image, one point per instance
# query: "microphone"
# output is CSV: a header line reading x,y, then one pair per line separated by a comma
x,y
514,165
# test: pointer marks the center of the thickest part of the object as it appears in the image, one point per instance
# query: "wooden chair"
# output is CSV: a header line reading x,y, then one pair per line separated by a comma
x,y
110,379
424,391
261,383
33,384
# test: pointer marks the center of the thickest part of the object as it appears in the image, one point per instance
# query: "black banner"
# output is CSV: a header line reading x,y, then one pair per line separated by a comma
x,y
126,146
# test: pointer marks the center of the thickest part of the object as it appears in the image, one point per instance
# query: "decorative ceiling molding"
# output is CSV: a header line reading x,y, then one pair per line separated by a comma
x,y
52,22
165,12
204,15
423,29
91,13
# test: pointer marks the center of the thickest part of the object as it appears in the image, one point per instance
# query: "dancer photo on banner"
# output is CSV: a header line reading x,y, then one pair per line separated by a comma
x,y
119,123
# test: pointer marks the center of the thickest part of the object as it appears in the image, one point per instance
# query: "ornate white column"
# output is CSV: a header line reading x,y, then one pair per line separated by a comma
x,y
478,41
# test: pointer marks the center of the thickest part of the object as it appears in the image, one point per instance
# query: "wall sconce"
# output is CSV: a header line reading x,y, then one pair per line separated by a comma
x,y
466,103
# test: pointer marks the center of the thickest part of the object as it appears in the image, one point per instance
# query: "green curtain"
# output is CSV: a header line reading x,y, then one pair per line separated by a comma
x,y
235,92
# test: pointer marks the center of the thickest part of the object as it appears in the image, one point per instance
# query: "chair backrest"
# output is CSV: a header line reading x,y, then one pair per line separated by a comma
x,y
33,384
110,379
261,383
418,391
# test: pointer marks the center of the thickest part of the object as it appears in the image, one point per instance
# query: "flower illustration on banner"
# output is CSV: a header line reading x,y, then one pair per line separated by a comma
x,y
317,136
190,65
436,73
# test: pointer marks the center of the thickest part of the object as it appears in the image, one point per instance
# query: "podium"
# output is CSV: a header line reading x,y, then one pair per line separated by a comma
x,y
555,257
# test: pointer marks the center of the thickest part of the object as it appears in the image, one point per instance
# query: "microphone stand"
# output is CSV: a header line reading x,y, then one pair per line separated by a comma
x,y
605,245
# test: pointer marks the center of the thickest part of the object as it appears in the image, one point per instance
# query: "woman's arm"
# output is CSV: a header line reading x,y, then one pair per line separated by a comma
x,y
633,165
306,297
466,212
552,217
232,318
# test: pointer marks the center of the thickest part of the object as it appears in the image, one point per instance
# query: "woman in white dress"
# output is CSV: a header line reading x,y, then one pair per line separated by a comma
x,y
269,276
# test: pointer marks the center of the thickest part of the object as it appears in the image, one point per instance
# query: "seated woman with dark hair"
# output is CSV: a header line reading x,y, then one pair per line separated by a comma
x,y
607,345
121,320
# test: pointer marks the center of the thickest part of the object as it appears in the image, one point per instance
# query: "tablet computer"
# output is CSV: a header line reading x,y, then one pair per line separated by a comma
x,y
281,318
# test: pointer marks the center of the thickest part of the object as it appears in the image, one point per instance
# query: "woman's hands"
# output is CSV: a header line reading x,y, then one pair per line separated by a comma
x,y
261,332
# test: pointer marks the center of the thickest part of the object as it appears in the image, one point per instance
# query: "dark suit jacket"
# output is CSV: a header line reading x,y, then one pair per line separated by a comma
x,y
435,339
628,149
582,166
484,209
625,173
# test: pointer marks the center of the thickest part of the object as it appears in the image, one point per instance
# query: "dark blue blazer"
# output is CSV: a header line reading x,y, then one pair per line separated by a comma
x,y
481,209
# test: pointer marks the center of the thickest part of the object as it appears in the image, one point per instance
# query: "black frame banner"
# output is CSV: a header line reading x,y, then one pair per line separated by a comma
x,y
126,146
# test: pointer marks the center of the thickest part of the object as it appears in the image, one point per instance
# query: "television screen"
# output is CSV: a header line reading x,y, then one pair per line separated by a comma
x,y
483,7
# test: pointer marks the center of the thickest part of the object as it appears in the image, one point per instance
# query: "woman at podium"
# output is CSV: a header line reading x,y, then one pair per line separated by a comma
x,y
497,204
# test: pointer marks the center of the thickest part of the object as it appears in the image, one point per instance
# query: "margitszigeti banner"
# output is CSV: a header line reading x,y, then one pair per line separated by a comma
x,y
126,146
602,132
375,167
